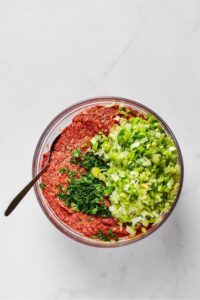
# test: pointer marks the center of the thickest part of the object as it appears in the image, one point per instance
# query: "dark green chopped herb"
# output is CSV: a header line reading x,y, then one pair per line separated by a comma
x,y
42,185
115,237
76,153
100,235
71,174
64,171
86,194
60,187
89,161
112,235
106,237
74,161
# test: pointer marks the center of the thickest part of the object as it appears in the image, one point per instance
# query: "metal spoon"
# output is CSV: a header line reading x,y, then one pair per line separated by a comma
x,y
25,190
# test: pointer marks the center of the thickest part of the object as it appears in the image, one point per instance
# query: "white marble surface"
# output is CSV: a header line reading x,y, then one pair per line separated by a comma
x,y
54,53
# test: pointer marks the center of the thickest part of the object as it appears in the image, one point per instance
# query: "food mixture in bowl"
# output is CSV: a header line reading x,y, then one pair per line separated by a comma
x,y
113,174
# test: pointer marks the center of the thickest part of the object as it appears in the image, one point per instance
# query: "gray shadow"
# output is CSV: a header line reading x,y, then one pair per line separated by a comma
x,y
150,268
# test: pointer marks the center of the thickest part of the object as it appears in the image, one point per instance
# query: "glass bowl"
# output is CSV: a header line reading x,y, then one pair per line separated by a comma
x,y
54,128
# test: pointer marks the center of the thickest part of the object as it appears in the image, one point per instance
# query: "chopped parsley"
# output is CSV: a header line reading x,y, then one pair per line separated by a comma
x,y
106,237
42,185
71,174
85,194
60,187
88,161
76,153
63,171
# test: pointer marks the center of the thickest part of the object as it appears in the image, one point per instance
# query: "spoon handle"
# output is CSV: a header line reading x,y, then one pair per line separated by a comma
x,y
21,194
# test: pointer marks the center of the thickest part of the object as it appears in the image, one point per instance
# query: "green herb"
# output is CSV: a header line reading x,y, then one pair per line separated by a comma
x,y
60,187
86,194
106,237
76,153
64,171
42,185
115,237
62,196
89,161
112,235
100,235
71,174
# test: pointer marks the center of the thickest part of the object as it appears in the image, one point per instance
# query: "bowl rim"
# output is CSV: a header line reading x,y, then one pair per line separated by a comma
x,y
85,240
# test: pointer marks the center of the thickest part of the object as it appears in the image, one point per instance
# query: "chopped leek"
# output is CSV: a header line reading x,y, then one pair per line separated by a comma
x,y
143,171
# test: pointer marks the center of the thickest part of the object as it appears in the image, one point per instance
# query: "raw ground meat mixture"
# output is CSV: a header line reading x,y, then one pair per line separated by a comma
x,y
78,135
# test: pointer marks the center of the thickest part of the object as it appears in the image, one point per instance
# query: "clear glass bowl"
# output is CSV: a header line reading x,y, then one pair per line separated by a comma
x,y
54,128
